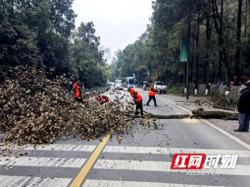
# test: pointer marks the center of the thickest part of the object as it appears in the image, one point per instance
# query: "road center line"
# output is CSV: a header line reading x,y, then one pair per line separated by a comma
x,y
81,176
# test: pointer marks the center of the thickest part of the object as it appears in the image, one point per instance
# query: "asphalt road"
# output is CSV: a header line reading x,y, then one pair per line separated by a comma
x,y
142,158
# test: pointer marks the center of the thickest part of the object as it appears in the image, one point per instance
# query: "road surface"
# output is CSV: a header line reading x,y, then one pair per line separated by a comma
x,y
142,158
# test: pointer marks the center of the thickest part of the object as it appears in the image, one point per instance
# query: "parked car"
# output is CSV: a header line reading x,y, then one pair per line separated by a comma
x,y
160,87
145,85
131,82
118,85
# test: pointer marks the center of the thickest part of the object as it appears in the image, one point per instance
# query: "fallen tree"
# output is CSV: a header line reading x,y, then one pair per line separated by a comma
x,y
170,116
200,113
37,110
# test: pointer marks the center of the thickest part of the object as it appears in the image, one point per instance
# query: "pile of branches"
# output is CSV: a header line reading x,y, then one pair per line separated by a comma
x,y
37,110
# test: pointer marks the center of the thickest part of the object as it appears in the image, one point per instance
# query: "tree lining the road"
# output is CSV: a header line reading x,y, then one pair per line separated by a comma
x,y
219,42
86,57
39,33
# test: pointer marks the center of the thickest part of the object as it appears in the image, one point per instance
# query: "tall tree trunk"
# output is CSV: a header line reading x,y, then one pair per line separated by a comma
x,y
219,27
208,38
221,38
214,71
248,18
192,50
197,51
248,36
187,63
246,13
238,47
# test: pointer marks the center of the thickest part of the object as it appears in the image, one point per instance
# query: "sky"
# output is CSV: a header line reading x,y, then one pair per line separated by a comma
x,y
118,22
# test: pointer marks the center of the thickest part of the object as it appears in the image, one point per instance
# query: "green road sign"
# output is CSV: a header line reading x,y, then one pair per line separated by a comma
x,y
184,51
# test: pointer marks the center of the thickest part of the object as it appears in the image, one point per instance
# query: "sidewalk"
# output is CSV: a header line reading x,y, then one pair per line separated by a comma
x,y
200,102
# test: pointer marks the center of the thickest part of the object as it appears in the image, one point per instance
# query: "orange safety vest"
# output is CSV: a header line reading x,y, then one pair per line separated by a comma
x,y
132,91
152,93
105,99
102,99
137,96
76,88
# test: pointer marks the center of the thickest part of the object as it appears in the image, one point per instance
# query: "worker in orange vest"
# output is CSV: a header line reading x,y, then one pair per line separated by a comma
x,y
77,91
151,94
131,90
103,99
138,101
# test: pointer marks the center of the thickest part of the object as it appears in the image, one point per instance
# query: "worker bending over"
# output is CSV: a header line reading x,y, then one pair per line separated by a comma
x,y
103,99
77,91
137,100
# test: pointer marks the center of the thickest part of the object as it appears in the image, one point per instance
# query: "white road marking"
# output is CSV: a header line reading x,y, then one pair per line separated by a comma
x,y
239,141
165,151
173,103
240,153
6,181
112,183
136,150
61,147
243,170
42,162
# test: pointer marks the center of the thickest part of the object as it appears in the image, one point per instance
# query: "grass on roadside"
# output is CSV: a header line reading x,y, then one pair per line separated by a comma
x,y
226,102
176,89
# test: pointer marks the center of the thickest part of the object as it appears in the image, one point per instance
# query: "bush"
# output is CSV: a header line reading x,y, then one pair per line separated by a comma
x,y
176,89
228,102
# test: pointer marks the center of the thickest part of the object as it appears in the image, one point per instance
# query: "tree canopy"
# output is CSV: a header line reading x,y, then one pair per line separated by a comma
x,y
40,32
217,33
